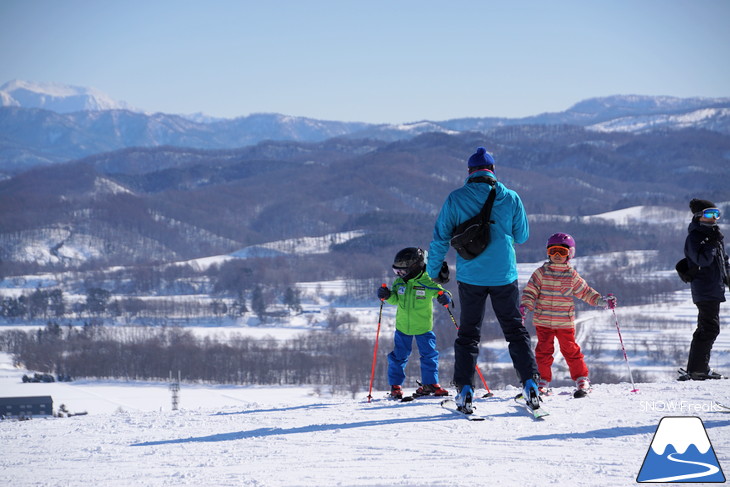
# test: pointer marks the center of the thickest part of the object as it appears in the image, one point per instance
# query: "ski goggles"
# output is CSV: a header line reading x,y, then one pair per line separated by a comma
x,y
711,213
558,250
400,271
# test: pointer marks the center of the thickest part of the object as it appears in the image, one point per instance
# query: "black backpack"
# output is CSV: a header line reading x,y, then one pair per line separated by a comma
x,y
686,270
471,237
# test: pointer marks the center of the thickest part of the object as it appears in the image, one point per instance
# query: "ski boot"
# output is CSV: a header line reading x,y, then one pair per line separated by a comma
x,y
464,398
430,389
396,392
543,388
531,394
583,387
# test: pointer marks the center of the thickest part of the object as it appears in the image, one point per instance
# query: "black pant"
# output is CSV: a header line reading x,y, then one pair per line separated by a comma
x,y
505,303
708,327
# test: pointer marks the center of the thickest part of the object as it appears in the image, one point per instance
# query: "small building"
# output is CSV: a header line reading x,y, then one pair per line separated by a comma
x,y
25,407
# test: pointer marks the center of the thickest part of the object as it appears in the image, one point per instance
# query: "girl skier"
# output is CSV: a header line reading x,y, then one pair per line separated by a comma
x,y
549,294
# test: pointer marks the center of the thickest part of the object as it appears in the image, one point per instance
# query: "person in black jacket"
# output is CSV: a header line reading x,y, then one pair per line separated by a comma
x,y
704,248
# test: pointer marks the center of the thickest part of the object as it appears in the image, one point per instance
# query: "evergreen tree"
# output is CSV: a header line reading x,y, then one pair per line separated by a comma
x,y
97,300
258,303
57,306
292,301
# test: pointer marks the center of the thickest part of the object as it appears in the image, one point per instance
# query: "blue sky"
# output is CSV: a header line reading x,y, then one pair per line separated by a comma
x,y
376,61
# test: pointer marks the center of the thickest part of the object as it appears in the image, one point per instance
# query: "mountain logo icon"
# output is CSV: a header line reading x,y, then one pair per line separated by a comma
x,y
681,452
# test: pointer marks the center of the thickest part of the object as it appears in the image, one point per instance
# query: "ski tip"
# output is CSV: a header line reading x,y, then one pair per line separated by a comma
x,y
407,399
634,390
488,394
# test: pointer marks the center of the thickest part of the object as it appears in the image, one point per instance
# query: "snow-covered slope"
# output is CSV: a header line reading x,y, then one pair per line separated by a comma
x,y
293,246
56,97
254,436
634,215
705,118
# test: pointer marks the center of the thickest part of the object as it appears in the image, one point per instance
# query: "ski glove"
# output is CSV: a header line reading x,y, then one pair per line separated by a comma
x,y
443,276
383,293
443,299
610,301
523,311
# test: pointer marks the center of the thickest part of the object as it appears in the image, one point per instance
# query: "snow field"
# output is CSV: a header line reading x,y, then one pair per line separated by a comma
x,y
298,436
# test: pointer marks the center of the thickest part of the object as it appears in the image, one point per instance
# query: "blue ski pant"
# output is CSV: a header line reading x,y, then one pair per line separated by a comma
x,y
505,303
398,358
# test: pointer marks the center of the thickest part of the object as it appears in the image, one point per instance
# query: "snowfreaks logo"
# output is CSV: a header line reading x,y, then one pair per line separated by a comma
x,y
681,452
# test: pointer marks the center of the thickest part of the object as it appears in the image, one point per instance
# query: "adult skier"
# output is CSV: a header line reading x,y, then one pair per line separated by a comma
x,y
491,274
704,248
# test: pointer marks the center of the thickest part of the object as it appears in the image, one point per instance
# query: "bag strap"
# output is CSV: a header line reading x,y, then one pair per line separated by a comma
x,y
486,210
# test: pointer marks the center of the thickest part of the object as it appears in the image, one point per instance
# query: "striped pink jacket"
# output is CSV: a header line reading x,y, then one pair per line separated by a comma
x,y
549,295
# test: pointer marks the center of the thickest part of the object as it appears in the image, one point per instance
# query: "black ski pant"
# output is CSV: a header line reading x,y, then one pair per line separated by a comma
x,y
708,328
505,303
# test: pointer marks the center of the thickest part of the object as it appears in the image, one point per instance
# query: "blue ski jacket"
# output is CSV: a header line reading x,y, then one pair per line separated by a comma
x,y
497,265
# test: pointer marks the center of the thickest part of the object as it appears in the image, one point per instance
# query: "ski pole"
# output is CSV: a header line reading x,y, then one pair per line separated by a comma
x,y
476,366
375,351
624,350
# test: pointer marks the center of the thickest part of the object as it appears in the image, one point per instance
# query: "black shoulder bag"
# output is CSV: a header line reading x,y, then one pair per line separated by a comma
x,y
686,270
471,237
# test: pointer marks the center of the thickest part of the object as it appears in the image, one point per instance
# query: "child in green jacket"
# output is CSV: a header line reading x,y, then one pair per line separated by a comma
x,y
413,291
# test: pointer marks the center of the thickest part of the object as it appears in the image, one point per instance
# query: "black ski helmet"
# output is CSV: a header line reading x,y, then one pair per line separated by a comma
x,y
409,262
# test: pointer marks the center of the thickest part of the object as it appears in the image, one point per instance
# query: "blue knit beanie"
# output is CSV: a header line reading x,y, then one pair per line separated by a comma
x,y
481,158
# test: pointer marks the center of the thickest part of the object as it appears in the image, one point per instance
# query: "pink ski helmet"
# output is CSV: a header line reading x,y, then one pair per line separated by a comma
x,y
562,239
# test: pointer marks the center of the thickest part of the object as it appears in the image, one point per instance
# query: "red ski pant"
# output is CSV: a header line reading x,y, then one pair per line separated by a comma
x,y
568,347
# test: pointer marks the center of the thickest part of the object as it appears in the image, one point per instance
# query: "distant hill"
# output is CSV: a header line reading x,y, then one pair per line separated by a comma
x,y
149,205
43,124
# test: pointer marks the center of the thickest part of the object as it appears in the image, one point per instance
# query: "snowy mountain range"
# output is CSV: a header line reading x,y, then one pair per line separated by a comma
x,y
45,123
56,97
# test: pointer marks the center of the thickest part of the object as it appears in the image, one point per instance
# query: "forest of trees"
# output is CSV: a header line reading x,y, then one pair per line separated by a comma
x,y
151,353
325,358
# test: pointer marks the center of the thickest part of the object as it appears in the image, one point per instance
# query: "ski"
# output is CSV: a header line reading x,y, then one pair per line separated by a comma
x,y
538,413
410,398
450,405
416,395
684,375
390,398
